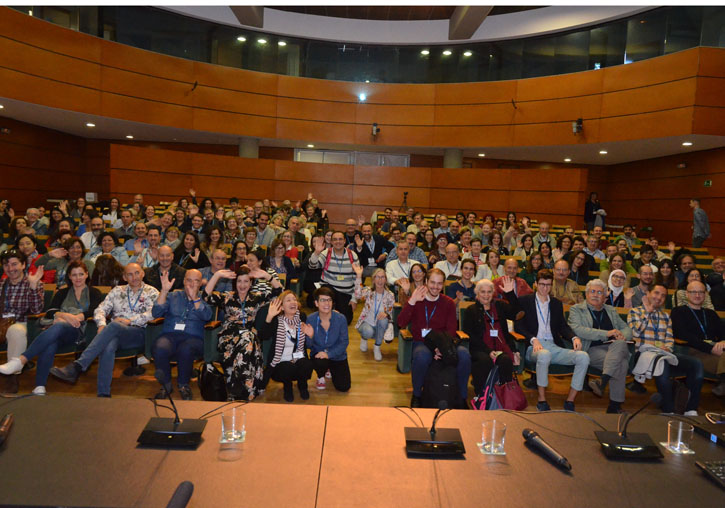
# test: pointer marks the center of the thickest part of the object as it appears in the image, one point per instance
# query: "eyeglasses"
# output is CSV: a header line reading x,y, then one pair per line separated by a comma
x,y
596,292
696,292
325,300
544,284
618,277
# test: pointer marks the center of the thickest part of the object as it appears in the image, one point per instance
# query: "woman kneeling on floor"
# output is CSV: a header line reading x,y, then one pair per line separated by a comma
x,y
328,347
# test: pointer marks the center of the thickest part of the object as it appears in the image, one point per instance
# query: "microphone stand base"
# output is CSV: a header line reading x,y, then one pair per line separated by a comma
x,y
446,443
636,446
164,433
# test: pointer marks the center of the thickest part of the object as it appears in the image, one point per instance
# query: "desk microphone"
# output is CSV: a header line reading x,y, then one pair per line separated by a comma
x,y
442,405
633,446
5,424
159,375
656,398
181,496
534,440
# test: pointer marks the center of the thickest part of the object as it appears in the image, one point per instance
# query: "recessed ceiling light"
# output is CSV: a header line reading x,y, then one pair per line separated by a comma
x,y
363,97
567,159
281,43
310,146
367,81
602,152
687,143
89,124
129,136
467,53
425,52
1,106
447,52
481,154
30,12
262,41
241,38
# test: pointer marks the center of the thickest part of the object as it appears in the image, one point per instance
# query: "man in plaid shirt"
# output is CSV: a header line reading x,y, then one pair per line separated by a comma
x,y
20,295
651,325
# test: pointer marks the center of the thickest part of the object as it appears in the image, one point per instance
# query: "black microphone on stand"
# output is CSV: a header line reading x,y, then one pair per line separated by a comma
x,y
655,399
534,440
159,375
636,445
433,442
442,405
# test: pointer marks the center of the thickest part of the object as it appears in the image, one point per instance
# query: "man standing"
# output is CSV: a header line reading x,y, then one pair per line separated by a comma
x,y
700,224
604,337
372,250
130,306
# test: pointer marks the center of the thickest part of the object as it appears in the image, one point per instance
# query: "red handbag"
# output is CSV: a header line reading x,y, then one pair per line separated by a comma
x,y
510,395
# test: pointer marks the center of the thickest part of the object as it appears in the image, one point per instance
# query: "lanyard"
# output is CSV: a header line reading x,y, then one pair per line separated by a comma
x,y
655,324
371,245
291,336
490,317
704,316
407,274
541,314
128,296
427,317
376,305
327,332
339,262
598,319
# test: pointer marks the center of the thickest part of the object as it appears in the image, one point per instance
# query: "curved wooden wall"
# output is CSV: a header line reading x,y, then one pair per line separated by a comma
x,y
672,95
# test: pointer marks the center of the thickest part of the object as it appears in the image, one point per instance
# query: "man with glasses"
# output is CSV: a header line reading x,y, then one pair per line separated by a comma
x,y
604,337
545,329
704,332
564,288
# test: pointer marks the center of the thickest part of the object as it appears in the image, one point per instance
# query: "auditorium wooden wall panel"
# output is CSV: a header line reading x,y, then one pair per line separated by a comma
x,y
145,159
315,110
662,69
380,93
236,167
469,199
548,202
395,135
558,110
143,86
258,83
403,115
338,213
465,178
311,173
22,157
234,123
559,133
709,91
232,101
32,89
709,120
375,194
489,92
555,87
242,188
39,180
315,131
475,114
393,177
711,62
499,135
320,89
146,111
326,193
676,122
143,62
648,99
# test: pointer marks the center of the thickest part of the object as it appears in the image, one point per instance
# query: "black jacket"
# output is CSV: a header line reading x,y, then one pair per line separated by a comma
x,y
152,276
95,298
529,325
381,245
685,326
268,331
473,322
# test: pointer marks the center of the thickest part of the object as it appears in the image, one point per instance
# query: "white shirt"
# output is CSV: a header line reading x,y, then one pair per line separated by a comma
x,y
396,270
543,315
485,272
450,270
89,240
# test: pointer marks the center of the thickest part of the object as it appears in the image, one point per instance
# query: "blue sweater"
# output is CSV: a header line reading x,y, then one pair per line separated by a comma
x,y
334,341
179,309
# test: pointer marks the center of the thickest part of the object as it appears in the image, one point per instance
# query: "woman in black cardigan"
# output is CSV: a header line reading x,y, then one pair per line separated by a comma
x,y
490,341
282,322
69,309
280,263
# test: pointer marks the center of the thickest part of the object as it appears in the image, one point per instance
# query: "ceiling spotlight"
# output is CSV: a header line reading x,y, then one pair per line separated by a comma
x,y
567,159
687,143
262,41
281,43
367,81
363,97
1,106
425,52
447,52
467,53
602,152
241,38
128,136
310,146
89,124
481,154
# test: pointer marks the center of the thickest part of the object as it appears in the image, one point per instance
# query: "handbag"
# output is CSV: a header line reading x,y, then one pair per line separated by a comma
x,y
5,322
488,400
212,384
510,395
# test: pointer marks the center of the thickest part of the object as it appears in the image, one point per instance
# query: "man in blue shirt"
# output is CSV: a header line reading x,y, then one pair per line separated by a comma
x,y
185,314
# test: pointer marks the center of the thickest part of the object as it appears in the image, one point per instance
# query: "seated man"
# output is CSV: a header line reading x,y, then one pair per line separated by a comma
x,y
399,268
416,253
218,262
651,326
454,231
629,236
511,270
130,306
646,280
545,329
646,258
428,309
392,222
704,332
372,250
90,238
166,266
592,248
350,232
451,266
185,313
715,281
543,236
32,216
414,227
265,234
604,337
565,289
442,227
126,229
197,226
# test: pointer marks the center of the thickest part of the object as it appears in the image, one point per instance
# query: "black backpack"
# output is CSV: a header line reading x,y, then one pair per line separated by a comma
x,y
440,385
211,383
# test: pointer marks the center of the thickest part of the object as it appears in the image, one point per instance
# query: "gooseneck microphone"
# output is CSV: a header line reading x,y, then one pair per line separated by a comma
x,y
5,424
159,375
442,405
534,440
655,399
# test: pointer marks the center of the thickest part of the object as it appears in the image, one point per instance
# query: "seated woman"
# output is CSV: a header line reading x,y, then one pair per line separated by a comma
x,y
624,250
378,309
680,296
493,269
149,217
239,256
526,248
250,239
328,345
188,254
579,272
463,289
563,248
265,280
616,262
646,258
58,260
172,237
428,310
17,224
415,280
108,244
214,241
438,253
241,351
28,245
429,242
620,294
490,342
107,272
290,250
64,225
69,309
279,263
476,252
464,242
547,260
232,233
666,274
495,243
282,322
533,265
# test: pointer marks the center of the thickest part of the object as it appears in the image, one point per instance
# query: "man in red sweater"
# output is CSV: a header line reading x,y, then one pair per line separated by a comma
x,y
429,309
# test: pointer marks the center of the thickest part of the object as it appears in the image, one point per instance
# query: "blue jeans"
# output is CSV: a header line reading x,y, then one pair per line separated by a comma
x,y
111,338
45,346
378,332
422,358
185,346
558,356
688,366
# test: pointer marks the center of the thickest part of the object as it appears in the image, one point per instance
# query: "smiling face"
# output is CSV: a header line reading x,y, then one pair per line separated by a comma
x,y
417,273
435,284
484,293
107,244
243,284
290,305
189,242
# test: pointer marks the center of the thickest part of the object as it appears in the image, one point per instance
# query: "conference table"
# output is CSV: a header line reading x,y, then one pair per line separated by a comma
x,y
82,451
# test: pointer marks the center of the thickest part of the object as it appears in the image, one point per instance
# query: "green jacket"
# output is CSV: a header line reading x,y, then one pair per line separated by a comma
x,y
582,322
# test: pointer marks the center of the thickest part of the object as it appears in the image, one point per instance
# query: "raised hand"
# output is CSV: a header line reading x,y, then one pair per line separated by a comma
x,y
307,329
259,274
360,220
275,308
404,284
646,303
508,283
226,274
418,295
358,242
324,213
166,284
318,244
357,269
192,193
58,253
628,293
34,279
195,256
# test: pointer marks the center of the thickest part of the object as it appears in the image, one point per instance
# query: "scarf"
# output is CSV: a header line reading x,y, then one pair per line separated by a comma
x,y
282,336
616,291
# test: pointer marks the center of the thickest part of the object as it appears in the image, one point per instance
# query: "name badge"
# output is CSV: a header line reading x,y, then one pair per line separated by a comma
x,y
298,355
8,315
340,277
494,333
180,327
424,331
371,261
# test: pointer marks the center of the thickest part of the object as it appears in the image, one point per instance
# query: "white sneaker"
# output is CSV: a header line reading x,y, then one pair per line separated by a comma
x,y
363,345
321,384
39,390
691,412
328,374
377,354
142,360
14,366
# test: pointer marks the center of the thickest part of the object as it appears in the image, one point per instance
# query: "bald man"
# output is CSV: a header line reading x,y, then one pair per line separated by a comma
x,y
511,270
129,308
185,314
167,266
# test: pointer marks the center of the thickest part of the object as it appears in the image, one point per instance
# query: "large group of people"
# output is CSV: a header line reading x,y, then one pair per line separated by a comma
x,y
248,264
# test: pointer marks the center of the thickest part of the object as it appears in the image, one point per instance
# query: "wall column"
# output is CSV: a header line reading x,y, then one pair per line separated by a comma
x,y
249,148
453,158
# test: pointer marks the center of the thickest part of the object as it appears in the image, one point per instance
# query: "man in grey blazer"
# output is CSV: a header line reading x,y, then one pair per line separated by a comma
x,y
604,336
